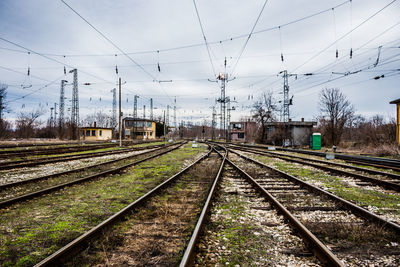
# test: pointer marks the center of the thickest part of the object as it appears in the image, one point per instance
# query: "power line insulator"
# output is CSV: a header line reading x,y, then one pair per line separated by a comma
x,y
351,53
337,53
65,71
116,69
158,66
281,57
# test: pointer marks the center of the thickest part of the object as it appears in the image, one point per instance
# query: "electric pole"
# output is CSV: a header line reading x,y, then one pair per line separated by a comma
x,y
135,106
144,111
167,118
75,105
223,77
286,100
119,114
55,115
151,108
61,104
213,123
51,117
164,126
175,114
114,108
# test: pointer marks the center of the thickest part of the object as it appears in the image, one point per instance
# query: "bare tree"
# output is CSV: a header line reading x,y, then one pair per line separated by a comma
x,y
4,125
264,111
336,111
27,123
101,119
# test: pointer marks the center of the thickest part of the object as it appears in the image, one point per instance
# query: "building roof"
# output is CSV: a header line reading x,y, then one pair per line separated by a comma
x,y
294,123
100,128
397,101
137,119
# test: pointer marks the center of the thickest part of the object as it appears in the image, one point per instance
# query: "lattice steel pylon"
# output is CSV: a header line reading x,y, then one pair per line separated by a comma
x,y
75,105
135,106
61,104
213,123
175,114
167,117
114,106
285,97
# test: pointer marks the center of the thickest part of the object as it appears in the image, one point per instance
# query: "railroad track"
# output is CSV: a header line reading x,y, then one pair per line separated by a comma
x,y
35,162
347,232
153,230
51,150
386,180
17,192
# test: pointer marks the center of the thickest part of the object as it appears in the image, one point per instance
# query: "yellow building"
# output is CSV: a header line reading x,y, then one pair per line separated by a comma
x,y
139,128
95,133
397,102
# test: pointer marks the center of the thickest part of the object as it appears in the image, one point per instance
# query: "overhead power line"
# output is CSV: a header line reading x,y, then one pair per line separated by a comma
x,y
111,42
205,39
248,37
198,44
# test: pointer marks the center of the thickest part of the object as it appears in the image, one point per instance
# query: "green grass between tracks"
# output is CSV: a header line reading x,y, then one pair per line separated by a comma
x,y
384,202
34,229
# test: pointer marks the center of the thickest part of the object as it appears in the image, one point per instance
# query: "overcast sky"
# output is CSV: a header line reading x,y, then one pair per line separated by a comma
x,y
141,28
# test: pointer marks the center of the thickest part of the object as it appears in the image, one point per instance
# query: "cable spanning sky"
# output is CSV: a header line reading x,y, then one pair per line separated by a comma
x,y
168,49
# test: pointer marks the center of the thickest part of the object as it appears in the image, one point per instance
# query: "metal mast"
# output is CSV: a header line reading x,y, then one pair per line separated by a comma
x,y
167,118
55,115
175,114
51,117
213,123
135,106
223,77
75,104
114,110
151,108
61,106
285,97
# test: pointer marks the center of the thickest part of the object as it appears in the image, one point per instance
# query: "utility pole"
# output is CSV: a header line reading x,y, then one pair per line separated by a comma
x,y
144,111
213,123
223,77
167,118
175,114
135,106
55,115
286,100
61,104
164,127
51,117
75,105
151,108
114,110
119,114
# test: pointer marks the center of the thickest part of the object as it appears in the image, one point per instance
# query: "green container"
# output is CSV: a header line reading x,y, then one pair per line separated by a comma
x,y
316,141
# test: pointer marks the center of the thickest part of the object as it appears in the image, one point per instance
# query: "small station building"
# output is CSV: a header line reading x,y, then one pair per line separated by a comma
x,y
242,131
297,132
95,133
397,102
135,128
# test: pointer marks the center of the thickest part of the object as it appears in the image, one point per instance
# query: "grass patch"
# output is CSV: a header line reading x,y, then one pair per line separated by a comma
x,y
360,196
34,229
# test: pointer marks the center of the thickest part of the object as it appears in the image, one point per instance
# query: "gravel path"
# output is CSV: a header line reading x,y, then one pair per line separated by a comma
x,y
21,174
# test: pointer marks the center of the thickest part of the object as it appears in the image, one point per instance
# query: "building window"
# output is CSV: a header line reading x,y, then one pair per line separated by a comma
x,y
149,124
87,132
82,133
100,132
93,132
241,135
151,133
